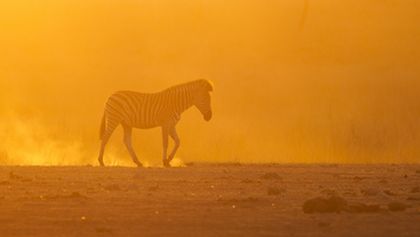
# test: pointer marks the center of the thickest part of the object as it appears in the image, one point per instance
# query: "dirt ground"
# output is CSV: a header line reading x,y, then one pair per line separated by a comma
x,y
207,200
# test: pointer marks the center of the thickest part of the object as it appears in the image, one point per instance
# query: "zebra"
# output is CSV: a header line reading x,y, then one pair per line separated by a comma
x,y
149,110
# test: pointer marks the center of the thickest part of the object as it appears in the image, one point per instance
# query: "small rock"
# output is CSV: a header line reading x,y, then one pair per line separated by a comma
x,y
324,205
14,176
397,206
383,181
154,188
189,164
413,199
415,190
369,192
389,193
249,199
274,191
358,179
72,196
104,230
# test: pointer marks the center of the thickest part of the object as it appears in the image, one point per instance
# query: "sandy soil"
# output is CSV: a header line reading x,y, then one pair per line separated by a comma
x,y
206,200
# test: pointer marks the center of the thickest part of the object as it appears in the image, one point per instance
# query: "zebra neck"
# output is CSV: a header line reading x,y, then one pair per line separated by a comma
x,y
182,99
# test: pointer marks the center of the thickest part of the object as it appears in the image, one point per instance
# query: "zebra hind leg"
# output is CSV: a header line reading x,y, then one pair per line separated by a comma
x,y
101,151
128,144
104,140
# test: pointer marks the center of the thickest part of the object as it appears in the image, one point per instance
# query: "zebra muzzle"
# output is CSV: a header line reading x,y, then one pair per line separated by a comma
x,y
207,116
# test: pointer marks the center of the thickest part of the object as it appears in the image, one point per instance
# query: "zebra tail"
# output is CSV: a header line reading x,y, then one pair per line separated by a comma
x,y
102,129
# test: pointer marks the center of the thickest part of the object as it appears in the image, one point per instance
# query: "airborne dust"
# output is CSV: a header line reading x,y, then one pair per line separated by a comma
x,y
339,84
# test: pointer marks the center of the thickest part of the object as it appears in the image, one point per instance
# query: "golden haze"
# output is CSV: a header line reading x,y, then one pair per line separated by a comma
x,y
338,85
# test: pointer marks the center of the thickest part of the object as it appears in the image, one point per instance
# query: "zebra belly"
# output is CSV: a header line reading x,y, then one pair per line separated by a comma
x,y
145,126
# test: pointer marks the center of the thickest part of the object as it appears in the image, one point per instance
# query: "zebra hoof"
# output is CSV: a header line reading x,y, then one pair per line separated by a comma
x,y
166,163
138,163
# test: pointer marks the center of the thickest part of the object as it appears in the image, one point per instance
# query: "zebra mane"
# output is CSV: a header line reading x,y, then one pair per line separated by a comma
x,y
207,84
202,83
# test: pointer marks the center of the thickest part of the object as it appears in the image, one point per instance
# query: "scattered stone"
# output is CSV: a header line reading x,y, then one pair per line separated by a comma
x,y
397,206
389,193
383,181
413,199
74,195
271,176
275,191
14,176
104,230
369,192
250,199
350,193
415,190
325,205
337,204
189,164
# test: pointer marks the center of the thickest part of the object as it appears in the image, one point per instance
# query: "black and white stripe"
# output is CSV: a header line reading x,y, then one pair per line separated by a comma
x,y
148,110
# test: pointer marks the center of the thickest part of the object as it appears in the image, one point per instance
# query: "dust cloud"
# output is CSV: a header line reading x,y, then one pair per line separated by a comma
x,y
295,81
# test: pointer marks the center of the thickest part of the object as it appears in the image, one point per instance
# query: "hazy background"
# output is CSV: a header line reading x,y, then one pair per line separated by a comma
x,y
335,81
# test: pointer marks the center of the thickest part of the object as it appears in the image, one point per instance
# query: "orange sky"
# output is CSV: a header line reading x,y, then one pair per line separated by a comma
x,y
342,88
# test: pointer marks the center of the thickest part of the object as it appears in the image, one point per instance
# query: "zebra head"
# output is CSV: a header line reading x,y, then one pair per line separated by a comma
x,y
202,98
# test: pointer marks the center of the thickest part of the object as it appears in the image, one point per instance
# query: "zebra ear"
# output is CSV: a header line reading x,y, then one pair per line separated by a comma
x,y
209,85
206,84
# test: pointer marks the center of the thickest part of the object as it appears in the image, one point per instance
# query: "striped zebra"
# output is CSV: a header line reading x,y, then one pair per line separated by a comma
x,y
148,110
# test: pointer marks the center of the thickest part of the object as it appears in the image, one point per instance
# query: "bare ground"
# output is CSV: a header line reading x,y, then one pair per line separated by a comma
x,y
207,200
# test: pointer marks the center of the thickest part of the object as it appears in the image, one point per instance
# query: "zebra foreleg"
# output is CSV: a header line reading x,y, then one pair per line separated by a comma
x,y
165,147
104,141
127,141
174,136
